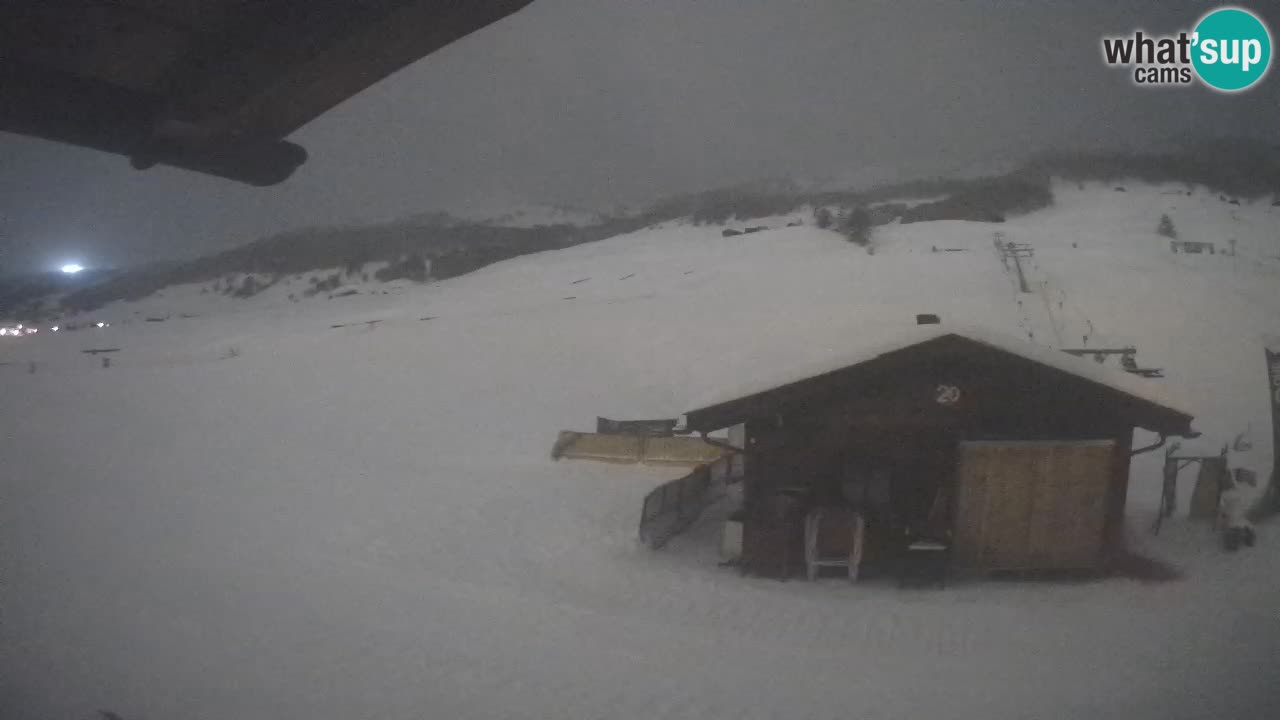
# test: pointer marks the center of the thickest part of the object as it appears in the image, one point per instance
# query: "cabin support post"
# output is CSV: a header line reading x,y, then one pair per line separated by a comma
x,y
1114,538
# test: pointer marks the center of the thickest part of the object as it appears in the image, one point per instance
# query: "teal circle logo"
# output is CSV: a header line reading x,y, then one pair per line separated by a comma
x,y
1231,49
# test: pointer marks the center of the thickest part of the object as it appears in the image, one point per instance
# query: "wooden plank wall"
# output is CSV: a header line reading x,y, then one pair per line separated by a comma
x,y
1033,505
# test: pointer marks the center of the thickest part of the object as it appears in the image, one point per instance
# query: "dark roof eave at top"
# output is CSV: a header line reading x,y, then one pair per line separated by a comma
x,y
205,86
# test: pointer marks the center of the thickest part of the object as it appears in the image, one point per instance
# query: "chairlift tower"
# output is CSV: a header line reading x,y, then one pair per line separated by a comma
x,y
1012,251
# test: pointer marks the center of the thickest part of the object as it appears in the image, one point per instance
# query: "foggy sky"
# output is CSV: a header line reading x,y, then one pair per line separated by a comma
x,y
600,102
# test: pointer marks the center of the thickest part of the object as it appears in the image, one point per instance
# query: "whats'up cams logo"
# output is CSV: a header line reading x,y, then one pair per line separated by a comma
x,y
1229,50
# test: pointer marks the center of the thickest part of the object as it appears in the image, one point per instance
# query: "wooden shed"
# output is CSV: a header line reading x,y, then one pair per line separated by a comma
x,y
1017,455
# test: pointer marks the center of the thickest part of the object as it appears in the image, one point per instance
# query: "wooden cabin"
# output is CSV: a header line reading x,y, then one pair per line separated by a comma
x,y
1015,455
1192,247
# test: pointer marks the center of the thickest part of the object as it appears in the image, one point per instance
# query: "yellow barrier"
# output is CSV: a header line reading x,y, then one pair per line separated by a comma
x,y
631,449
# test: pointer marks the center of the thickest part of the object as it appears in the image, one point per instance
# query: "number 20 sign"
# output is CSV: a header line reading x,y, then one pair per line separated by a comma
x,y
947,394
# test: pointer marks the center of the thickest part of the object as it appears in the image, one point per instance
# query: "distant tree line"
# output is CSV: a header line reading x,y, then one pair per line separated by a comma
x,y
1235,166
436,246
405,247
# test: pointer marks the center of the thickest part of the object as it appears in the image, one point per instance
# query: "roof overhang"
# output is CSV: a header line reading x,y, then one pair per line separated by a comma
x,y
213,86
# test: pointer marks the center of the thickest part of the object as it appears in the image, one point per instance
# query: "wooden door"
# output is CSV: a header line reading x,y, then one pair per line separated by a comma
x,y
1031,505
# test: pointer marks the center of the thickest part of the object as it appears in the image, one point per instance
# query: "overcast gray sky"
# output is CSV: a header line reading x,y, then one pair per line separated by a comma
x,y
599,102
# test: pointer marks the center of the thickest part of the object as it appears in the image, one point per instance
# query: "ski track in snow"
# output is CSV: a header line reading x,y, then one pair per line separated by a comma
x,y
363,521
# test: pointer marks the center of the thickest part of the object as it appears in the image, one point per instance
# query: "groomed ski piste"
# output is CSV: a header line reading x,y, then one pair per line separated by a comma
x,y
346,508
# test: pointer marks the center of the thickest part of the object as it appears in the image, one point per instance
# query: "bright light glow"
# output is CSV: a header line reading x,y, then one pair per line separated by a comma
x,y
72,268
54,328
102,324
4,331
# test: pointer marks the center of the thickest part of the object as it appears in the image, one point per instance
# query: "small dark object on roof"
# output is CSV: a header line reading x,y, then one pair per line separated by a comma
x,y
927,319
730,232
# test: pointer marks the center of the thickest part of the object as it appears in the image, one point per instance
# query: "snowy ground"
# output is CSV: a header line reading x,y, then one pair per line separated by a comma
x,y
363,521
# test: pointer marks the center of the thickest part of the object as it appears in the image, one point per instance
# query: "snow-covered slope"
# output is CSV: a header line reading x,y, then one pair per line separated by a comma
x,y
256,514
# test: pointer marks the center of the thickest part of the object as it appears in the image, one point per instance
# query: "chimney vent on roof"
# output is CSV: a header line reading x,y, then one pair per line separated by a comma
x,y
927,319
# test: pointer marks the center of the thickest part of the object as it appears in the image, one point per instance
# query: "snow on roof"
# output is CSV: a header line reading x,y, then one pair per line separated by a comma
x,y
875,341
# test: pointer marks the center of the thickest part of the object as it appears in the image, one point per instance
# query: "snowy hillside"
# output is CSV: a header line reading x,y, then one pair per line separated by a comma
x,y
345,508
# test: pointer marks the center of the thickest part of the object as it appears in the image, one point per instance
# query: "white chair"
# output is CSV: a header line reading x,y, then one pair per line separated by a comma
x,y
833,520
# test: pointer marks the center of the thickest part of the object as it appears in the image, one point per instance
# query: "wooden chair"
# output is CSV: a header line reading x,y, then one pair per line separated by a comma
x,y
924,562
926,550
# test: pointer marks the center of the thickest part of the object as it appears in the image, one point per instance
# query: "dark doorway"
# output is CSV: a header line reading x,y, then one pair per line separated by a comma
x,y
900,480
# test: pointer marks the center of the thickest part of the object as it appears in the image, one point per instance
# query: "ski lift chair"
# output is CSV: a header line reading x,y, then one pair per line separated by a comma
x,y
925,560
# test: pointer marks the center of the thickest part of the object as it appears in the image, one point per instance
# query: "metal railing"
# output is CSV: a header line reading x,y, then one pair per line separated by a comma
x,y
673,506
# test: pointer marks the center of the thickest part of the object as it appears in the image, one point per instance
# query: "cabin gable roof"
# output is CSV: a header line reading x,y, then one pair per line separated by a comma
x,y
842,378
